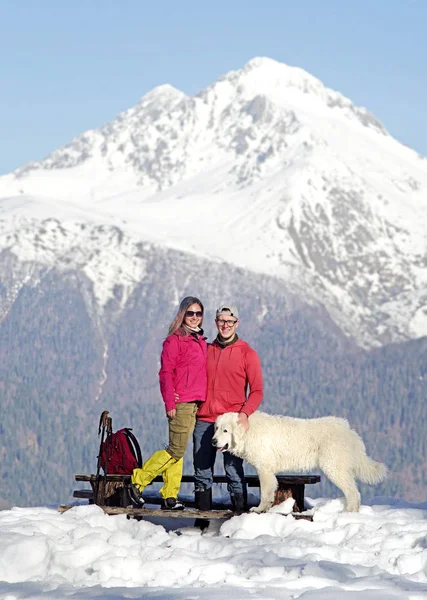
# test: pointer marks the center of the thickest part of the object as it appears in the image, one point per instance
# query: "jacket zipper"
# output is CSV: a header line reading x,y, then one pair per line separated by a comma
x,y
188,369
216,379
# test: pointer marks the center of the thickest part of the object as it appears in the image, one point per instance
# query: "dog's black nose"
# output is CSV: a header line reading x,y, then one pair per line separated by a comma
x,y
214,442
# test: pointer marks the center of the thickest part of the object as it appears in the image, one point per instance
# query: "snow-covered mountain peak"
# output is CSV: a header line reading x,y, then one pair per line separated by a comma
x,y
266,168
274,77
283,85
250,112
163,96
164,90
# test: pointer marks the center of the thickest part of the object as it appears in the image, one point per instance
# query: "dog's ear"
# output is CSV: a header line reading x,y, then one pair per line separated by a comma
x,y
237,435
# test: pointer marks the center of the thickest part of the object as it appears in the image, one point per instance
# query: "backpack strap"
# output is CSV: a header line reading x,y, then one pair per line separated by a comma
x,y
103,421
101,430
109,428
134,446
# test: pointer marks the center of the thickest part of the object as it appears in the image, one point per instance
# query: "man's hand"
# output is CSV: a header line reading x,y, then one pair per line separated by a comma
x,y
243,420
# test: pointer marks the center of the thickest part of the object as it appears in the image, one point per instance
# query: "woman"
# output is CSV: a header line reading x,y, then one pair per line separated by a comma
x,y
183,386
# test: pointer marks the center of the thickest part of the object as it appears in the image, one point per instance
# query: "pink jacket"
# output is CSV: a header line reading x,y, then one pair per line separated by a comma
x,y
183,369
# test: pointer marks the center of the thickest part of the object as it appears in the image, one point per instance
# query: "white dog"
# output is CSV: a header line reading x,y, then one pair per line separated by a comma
x,y
277,444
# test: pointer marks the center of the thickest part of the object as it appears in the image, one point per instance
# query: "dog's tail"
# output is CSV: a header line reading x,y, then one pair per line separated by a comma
x,y
370,471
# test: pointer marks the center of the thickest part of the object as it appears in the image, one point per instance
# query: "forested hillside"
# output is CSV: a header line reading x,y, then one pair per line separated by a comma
x,y
60,366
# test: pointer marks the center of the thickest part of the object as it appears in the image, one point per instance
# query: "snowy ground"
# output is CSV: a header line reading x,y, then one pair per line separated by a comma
x,y
377,554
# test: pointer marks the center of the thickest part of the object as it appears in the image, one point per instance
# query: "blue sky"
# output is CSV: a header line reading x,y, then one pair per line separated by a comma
x,y
74,65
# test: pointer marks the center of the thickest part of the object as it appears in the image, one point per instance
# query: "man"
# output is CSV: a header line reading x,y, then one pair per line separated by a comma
x,y
232,366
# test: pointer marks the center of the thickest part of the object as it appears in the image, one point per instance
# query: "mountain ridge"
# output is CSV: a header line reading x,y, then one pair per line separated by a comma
x,y
269,170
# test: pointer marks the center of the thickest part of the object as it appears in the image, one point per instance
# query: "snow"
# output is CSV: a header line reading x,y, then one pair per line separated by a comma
x,y
269,170
379,553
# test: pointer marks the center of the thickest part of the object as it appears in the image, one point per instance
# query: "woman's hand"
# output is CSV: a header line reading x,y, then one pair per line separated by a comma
x,y
172,413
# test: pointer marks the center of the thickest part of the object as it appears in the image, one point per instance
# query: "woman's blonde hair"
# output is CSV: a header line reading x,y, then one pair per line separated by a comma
x,y
178,322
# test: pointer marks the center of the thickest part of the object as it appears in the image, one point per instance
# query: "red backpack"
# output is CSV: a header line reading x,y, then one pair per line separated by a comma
x,y
120,453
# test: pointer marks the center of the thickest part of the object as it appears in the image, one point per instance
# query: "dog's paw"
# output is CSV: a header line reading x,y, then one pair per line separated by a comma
x,y
258,509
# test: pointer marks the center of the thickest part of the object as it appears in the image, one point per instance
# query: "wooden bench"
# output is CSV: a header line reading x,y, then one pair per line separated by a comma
x,y
116,496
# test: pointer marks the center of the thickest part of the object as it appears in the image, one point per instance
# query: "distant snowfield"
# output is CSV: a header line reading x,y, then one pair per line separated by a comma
x,y
379,553
265,169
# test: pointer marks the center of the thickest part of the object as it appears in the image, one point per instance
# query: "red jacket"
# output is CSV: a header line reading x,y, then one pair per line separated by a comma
x,y
183,369
230,371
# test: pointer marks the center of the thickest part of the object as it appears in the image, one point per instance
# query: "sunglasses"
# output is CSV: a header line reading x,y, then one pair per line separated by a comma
x,y
194,313
223,323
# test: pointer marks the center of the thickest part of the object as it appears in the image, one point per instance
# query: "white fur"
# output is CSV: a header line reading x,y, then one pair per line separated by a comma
x,y
277,444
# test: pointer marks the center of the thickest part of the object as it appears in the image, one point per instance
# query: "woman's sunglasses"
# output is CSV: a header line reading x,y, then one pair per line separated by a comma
x,y
194,313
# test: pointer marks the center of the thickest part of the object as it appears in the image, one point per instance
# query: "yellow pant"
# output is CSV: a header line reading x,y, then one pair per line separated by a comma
x,y
169,462
160,462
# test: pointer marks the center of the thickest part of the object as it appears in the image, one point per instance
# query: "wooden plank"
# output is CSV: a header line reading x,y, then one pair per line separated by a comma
x,y
158,512
183,514
84,494
111,477
251,480
152,498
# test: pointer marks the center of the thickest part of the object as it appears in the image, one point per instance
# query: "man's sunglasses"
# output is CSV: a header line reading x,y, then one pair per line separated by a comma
x,y
194,313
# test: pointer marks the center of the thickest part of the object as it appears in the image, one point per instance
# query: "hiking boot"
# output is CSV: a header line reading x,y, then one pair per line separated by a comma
x,y
172,504
135,496
203,501
239,504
